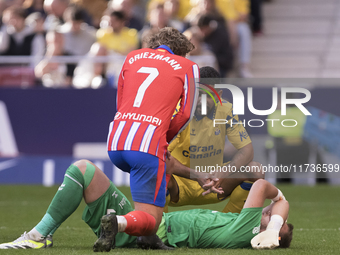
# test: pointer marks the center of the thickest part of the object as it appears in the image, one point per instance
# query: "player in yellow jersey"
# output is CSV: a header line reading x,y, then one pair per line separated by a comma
x,y
203,144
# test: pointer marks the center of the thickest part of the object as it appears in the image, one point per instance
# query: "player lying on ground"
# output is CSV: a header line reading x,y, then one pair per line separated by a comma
x,y
211,229
84,179
202,143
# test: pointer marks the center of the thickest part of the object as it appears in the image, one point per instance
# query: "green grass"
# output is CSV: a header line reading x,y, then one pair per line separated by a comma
x,y
314,211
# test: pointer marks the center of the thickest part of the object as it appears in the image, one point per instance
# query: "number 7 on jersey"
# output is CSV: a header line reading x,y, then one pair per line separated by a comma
x,y
153,73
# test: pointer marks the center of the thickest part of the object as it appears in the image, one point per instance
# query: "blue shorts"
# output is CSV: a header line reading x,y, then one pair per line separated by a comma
x,y
147,175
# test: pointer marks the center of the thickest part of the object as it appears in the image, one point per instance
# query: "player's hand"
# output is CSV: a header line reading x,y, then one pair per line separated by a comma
x,y
212,187
268,239
202,181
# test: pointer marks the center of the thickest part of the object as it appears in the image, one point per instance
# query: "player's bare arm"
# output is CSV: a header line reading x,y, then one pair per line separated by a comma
x,y
173,166
242,157
273,220
222,182
226,185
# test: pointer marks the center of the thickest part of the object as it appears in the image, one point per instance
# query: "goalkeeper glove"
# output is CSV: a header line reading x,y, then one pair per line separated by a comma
x,y
269,239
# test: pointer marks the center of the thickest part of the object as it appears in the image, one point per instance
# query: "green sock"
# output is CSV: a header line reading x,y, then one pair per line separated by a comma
x,y
64,203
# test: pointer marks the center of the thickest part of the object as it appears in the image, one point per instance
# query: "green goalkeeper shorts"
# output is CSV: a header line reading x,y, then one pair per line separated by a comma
x,y
112,201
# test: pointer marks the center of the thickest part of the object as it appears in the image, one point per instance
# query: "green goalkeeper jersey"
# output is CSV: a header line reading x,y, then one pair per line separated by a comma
x,y
211,229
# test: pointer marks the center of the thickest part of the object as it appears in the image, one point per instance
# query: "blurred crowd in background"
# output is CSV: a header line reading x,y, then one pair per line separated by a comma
x,y
57,34
83,43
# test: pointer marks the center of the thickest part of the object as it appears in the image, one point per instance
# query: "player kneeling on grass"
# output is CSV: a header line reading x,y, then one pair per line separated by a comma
x,y
194,147
192,228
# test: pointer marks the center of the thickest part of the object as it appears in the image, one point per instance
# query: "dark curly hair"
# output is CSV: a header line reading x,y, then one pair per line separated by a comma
x,y
209,75
286,238
172,38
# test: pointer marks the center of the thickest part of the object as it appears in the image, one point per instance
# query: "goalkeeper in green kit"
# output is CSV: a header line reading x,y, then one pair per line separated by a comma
x,y
254,226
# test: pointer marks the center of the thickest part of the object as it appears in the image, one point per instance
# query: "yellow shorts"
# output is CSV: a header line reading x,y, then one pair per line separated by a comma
x,y
190,193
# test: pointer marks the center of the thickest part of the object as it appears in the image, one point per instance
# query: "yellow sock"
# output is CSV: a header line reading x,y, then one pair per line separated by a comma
x,y
237,198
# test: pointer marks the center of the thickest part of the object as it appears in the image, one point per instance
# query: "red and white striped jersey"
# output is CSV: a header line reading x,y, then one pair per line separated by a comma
x,y
151,83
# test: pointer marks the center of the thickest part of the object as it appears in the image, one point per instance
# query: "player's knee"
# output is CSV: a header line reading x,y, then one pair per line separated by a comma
x,y
82,165
260,183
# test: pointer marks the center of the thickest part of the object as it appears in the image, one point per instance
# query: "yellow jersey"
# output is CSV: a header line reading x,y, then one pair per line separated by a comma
x,y
203,144
231,9
184,7
123,43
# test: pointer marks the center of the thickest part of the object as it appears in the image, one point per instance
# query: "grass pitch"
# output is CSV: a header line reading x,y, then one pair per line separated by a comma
x,y
314,212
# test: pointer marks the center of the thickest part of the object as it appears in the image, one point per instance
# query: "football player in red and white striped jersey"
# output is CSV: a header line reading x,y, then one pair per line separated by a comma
x,y
152,82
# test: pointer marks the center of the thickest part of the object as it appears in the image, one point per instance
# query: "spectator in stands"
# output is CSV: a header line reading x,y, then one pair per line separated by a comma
x,y
234,14
36,21
91,73
171,8
205,7
116,37
3,6
201,55
157,20
158,17
55,10
53,73
256,16
78,36
126,6
94,8
32,6
216,36
185,7
113,39
145,36
238,17
18,39
18,3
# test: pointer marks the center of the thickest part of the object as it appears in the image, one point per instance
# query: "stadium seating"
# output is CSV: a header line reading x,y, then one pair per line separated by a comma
x,y
17,76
